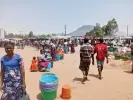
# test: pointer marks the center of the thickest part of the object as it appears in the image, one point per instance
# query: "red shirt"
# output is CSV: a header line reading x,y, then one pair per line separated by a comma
x,y
101,50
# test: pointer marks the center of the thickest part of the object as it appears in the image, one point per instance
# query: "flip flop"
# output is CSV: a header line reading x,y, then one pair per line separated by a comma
x,y
84,79
87,79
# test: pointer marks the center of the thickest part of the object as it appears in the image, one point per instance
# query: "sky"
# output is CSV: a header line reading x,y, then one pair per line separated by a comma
x,y
50,16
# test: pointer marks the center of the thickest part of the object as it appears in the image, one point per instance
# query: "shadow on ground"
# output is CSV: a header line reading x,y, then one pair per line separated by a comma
x,y
39,97
77,79
94,75
129,72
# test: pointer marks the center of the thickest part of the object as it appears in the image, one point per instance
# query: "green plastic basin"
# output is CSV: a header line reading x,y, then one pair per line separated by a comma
x,y
49,95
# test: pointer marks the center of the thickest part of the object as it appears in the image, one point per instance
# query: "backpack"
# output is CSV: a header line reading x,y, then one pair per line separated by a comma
x,y
24,95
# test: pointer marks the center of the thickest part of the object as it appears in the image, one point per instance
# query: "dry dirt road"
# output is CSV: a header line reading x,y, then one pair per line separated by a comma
x,y
115,85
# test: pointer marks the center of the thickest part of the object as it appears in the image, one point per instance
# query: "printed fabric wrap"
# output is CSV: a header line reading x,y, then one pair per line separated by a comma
x,y
12,77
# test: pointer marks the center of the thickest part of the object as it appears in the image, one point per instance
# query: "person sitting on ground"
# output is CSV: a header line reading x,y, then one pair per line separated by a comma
x,y
33,66
47,54
48,58
42,62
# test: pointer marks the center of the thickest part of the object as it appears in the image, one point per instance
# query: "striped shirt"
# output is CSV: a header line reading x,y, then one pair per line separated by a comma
x,y
86,51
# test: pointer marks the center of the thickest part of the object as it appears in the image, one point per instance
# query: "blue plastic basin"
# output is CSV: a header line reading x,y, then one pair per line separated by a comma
x,y
48,79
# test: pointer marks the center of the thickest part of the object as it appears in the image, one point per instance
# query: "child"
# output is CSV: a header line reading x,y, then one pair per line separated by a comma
x,y
33,66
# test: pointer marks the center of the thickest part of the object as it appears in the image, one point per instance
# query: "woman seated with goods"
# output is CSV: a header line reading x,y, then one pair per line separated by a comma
x,y
48,53
124,49
43,60
123,53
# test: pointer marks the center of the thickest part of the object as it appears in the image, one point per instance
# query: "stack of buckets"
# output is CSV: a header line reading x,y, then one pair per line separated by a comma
x,y
48,86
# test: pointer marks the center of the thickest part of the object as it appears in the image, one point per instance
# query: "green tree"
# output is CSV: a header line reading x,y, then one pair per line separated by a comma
x,y
31,34
97,31
42,36
111,27
10,35
53,34
48,35
91,33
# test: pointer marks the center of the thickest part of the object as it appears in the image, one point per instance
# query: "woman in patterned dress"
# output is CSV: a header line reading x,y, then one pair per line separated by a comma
x,y
12,74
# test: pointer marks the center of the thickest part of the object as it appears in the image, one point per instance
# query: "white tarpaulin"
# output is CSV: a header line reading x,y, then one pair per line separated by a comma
x,y
61,37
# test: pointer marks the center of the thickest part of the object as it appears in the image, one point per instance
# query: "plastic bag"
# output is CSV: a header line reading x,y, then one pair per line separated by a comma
x,y
24,95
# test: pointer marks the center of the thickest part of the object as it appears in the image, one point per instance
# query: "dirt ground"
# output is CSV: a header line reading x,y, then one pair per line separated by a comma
x,y
117,82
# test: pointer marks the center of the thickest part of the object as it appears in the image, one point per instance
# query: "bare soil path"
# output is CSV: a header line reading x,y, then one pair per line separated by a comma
x,y
115,85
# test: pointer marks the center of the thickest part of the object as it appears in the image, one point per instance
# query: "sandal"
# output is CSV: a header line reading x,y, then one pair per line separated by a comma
x,y
87,79
84,79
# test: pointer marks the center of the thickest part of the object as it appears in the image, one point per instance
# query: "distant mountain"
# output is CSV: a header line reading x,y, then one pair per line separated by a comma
x,y
82,30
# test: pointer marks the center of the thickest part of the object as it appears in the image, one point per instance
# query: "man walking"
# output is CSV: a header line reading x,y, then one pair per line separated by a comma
x,y
102,52
86,53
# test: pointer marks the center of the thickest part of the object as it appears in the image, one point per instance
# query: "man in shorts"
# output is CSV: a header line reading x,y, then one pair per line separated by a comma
x,y
102,52
86,53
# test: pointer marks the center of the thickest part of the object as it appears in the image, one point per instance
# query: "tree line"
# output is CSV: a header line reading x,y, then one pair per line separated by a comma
x,y
107,30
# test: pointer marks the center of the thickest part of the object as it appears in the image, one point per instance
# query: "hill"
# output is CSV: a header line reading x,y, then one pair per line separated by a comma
x,y
81,31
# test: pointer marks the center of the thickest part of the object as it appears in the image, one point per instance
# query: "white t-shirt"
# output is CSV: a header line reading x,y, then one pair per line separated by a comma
x,y
66,43
52,44
42,57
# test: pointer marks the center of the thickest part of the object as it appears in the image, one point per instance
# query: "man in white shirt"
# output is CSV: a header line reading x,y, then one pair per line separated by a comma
x,y
66,48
